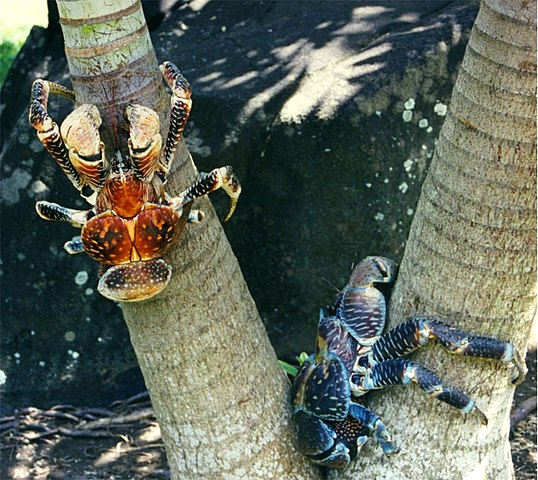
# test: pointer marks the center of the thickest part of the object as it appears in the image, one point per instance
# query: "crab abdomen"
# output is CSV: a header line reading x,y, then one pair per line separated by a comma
x,y
113,240
106,239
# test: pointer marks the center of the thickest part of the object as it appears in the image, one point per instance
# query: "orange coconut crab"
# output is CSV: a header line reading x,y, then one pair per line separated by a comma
x,y
133,221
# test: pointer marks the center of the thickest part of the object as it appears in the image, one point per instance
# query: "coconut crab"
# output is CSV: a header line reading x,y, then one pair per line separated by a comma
x,y
133,221
353,356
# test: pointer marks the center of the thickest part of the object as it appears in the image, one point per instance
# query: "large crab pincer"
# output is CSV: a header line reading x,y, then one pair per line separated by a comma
x,y
133,222
353,356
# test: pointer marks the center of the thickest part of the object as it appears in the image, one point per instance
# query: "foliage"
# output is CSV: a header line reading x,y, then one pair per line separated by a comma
x,y
14,28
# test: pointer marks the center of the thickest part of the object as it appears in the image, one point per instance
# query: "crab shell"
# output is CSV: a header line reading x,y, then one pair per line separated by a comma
x,y
129,239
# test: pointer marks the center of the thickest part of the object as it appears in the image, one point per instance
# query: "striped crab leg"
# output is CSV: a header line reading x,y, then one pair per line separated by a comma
x,y
48,131
180,108
222,177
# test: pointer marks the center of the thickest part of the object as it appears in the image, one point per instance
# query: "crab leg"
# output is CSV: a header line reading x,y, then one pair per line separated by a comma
x,y
374,425
74,246
417,332
55,212
48,131
180,107
222,177
400,371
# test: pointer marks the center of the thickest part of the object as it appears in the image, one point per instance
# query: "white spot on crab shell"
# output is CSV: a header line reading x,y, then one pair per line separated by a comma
x,y
410,211
408,164
21,256
3,377
410,104
368,185
81,277
407,115
75,355
429,129
41,363
69,336
440,109
379,216
88,291
423,123
17,355
403,187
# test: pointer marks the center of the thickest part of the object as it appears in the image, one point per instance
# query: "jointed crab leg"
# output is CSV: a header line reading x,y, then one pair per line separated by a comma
x,y
55,212
180,107
374,425
400,371
223,177
74,246
48,131
416,332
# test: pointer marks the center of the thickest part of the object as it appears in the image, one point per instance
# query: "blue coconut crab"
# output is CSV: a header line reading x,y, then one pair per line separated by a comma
x,y
133,221
353,356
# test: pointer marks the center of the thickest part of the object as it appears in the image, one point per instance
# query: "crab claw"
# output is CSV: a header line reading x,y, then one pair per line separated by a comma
x,y
135,281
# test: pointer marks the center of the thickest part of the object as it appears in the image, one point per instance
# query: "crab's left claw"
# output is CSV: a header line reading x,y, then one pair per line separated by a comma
x,y
131,282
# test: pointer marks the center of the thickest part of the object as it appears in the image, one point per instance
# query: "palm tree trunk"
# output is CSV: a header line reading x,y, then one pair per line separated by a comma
x,y
216,387
471,256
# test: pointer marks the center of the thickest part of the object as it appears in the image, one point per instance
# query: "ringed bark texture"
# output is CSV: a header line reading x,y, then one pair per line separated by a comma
x,y
111,61
218,392
471,257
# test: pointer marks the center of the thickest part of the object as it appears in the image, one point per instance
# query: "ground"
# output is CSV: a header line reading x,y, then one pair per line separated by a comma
x,y
123,442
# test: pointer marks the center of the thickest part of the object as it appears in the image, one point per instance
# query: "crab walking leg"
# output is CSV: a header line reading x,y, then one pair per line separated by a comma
x,y
375,426
400,371
48,131
417,332
57,213
74,246
222,177
180,107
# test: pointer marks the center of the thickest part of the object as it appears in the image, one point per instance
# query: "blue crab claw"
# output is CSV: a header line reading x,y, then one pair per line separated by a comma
x,y
314,437
135,281
322,388
330,444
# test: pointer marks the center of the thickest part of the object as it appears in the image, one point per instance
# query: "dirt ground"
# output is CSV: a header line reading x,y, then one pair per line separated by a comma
x,y
123,442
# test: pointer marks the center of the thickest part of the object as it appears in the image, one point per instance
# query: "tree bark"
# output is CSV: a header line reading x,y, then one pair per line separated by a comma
x,y
471,257
218,392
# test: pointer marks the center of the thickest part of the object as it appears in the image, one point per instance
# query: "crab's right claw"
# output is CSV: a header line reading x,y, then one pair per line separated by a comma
x,y
135,281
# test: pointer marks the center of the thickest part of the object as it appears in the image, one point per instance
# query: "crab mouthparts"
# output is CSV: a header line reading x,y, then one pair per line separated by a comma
x,y
135,281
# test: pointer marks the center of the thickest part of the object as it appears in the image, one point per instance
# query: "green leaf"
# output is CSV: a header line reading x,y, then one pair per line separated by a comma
x,y
302,357
289,369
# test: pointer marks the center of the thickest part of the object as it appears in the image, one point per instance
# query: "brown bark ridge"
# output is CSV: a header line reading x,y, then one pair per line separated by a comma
x,y
218,392
471,257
